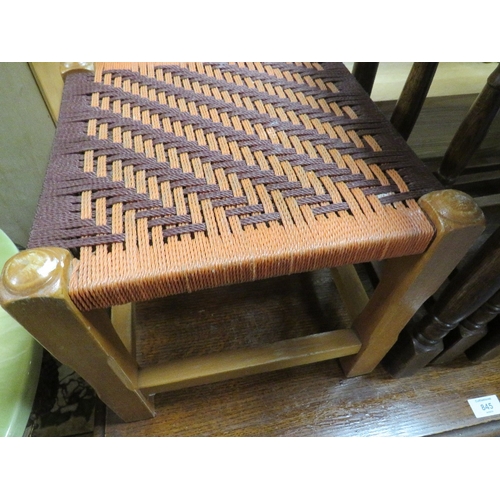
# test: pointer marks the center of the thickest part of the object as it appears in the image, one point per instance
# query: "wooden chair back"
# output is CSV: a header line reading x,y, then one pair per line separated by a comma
x,y
458,321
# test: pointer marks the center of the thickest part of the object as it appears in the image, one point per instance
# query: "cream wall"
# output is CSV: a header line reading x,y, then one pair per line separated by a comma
x,y
26,134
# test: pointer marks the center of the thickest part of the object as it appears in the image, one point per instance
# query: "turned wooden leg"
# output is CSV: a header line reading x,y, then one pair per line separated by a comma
x,y
488,347
469,331
467,291
407,282
34,290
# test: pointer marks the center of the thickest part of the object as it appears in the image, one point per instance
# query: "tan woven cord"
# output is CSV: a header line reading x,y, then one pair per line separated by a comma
x,y
173,177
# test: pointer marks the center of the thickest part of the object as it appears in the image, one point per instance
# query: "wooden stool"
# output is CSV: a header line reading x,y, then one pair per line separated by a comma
x,y
168,178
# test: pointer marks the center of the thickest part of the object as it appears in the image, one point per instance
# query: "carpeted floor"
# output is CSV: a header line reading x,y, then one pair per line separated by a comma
x,y
64,403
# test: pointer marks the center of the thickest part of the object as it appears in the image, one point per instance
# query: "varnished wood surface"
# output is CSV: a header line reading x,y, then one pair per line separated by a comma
x,y
408,282
34,291
437,123
475,326
313,400
412,97
316,400
226,365
489,346
365,73
472,130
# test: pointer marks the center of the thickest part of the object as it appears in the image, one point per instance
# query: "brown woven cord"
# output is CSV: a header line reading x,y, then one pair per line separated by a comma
x,y
173,177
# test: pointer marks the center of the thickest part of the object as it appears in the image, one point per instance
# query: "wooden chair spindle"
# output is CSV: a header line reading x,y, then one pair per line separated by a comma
x,y
472,130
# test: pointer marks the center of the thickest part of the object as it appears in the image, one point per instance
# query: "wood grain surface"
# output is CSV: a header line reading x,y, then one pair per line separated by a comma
x,y
316,400
312,400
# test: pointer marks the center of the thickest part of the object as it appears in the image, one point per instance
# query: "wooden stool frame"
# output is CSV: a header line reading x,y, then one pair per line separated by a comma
x,y
98,346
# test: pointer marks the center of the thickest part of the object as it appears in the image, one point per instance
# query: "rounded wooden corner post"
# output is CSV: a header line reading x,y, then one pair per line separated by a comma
x,y
407,282
34,291
70,67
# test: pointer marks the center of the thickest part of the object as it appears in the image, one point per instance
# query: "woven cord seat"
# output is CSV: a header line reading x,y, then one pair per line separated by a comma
x,y
168,178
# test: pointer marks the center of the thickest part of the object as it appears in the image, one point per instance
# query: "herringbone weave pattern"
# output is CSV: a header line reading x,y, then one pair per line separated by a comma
x,y
172,177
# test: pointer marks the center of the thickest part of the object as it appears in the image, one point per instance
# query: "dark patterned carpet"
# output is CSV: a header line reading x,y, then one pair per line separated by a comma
x,y
64,404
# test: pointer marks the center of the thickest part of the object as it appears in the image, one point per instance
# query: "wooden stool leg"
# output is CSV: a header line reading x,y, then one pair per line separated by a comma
x,y
407,282
469,289
34,290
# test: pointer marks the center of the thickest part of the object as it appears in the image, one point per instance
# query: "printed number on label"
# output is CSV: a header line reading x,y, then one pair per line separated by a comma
x,y
485,406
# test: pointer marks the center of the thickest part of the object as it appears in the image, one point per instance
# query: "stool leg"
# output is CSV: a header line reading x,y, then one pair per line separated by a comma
x,y
34,290
407,282
467,302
